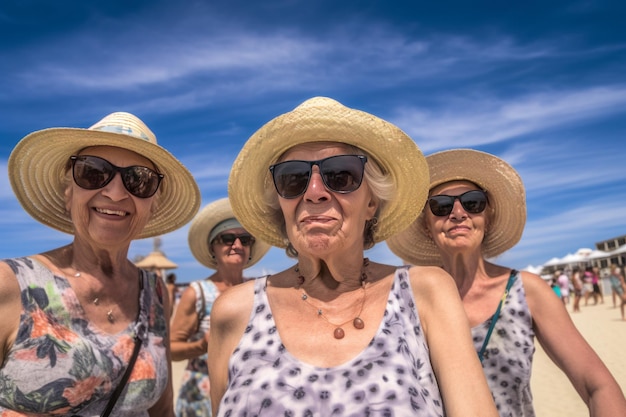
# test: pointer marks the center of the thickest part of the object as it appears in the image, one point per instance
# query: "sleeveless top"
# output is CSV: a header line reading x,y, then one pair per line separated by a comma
x,y
508,357
193,396
392,376
60,364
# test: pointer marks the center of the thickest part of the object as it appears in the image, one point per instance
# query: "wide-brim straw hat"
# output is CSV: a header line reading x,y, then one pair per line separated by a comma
x,y
38,163
322,119
209,217
505,192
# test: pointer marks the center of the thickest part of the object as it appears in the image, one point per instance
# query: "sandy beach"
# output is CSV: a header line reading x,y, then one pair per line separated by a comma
x,y
554,396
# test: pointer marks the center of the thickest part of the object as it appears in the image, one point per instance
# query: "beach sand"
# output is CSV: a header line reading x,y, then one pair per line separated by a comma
x,y
553,394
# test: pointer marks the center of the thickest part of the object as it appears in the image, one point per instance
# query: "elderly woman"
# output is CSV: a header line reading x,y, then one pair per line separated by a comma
x,y
477,210
218,241
337,334
83,330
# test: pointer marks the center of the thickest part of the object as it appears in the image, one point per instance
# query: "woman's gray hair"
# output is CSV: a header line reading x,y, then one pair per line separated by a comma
x,y
379,182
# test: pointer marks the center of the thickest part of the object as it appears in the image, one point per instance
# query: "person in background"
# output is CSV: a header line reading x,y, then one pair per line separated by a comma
x,y
218,241
76,318
554,284
589,289
476,211
577,283
563,282
595,281
338,334
618,287
172,289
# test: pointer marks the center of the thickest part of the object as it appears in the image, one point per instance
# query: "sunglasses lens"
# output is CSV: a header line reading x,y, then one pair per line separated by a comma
x,y
140,181
228,238
291,178
441,205
343,173
473,202
92,172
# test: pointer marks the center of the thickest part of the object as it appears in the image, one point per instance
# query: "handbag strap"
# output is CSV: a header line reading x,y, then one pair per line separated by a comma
x,y
202,311
496,315
122,384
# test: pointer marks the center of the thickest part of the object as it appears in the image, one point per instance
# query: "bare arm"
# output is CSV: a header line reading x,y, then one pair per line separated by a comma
x,y
184,326
164,407
229,318
568,349
460,376
10,308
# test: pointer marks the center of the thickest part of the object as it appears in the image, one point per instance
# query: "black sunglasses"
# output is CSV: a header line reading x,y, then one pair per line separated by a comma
x,y
229,239
93,172
340,174
473,202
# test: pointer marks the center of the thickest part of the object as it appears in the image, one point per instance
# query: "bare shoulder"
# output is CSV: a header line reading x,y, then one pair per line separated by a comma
x,y
234,306
10,308
9,287
430,278
534,285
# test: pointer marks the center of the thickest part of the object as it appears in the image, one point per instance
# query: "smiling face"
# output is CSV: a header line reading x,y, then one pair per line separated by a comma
x,y
109,216
459,231
320,221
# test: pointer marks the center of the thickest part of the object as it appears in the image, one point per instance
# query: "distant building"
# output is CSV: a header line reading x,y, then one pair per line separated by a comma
x,y
617,247
607,252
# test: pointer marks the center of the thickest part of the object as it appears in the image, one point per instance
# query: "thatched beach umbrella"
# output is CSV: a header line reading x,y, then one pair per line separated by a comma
x,y
156,260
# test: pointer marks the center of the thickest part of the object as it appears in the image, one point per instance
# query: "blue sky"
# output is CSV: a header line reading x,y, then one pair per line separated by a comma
x,y
542,85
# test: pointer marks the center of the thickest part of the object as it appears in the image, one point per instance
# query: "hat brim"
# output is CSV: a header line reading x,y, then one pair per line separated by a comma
x,y
325,120
37,167
209,217
506,194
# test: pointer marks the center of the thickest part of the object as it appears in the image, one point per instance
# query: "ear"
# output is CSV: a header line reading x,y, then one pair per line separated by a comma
x,y
67,196
425,226
372,208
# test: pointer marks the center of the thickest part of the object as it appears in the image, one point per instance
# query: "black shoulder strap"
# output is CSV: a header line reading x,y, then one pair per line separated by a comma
x,y
122,384
131,363
202,311
496,315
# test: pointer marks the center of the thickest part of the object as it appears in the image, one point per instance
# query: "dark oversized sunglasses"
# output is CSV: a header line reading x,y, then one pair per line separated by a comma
x,y
473,202
229,239
340,174
93,172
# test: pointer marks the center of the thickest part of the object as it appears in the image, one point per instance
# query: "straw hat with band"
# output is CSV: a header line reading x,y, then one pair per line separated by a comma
x,y
210,222
322,119
505,192
38,163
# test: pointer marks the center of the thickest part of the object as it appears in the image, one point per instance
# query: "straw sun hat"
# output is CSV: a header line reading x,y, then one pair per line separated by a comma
x,y
322,119
505,192
202,225
37,167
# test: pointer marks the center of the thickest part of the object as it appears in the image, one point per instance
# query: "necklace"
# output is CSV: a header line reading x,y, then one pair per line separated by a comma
x,y
110,316
357,322
96,302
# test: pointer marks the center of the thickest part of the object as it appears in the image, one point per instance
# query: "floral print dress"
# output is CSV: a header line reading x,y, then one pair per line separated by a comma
x,y
193,397
60,364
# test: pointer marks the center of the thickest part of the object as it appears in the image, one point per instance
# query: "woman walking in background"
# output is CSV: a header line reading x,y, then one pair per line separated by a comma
x,y
218,241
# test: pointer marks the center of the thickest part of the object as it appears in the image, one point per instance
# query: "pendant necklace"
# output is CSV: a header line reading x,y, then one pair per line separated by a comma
x,y
96,302
357,322
110,317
